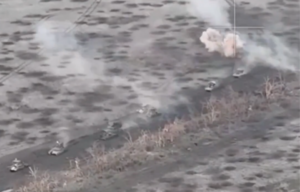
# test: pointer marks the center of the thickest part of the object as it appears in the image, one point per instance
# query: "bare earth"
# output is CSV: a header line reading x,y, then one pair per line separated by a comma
x,y
265,158
117,56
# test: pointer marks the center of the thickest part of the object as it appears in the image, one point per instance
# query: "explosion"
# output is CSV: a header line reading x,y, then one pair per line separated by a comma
x,y
227,45
212,39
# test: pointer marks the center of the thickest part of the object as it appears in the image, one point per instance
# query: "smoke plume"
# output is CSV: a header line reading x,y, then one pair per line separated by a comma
x,y
55,36
227,45
214,12
261,49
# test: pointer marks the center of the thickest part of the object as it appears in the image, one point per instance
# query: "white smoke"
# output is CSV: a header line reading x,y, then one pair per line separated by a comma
x,y
264,49
212,39
214,12
227,45
64,136
55,36
232,44
269,50
57,42
60,46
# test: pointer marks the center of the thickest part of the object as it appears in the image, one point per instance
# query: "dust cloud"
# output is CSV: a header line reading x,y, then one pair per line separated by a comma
x,y
58,42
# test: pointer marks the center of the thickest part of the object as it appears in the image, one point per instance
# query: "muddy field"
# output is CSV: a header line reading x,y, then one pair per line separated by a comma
x,y
263,158
75,63
117,56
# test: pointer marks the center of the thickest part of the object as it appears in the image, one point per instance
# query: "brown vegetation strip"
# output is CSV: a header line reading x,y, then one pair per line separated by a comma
x,y
234,107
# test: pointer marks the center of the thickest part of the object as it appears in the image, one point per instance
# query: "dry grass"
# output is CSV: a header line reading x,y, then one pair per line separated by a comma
x,y
41,182
274,88
232,107
236,107
148,146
